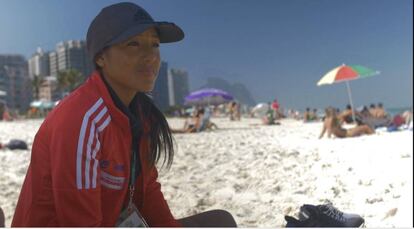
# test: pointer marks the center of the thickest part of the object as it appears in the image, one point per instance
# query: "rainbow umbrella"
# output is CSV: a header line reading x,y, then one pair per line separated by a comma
x,y
347,73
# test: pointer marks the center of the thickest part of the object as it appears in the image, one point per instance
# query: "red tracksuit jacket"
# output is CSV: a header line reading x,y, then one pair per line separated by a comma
x,y
80,165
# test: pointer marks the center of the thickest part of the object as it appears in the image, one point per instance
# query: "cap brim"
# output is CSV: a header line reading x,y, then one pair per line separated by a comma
x,y
168,32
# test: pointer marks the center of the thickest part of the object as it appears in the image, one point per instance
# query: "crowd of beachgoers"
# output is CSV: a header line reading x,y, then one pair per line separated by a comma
x,y
365,119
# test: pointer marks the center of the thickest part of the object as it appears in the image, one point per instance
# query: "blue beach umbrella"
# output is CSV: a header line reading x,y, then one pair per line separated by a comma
x,y
208,96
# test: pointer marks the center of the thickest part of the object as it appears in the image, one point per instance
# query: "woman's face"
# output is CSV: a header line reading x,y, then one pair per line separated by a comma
x,y
132,66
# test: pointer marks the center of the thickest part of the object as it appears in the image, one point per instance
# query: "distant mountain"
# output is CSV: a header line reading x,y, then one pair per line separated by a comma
x,y
237,90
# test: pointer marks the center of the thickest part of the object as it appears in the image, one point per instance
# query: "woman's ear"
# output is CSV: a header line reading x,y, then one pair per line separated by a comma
x,y
99,60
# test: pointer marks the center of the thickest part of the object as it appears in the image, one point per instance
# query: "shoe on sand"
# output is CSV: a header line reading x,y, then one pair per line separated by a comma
x,y
324,216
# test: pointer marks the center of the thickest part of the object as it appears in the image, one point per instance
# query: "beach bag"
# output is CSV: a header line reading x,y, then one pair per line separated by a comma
x,y
16,144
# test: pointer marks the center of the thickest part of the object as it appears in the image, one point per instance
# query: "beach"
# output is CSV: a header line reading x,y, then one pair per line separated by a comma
x,y
261,173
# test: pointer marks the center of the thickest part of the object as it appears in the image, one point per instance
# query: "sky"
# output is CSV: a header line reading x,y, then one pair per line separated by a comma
x,y
276,48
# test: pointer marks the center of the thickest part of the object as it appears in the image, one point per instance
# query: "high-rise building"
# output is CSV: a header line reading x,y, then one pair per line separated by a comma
x,y
160,92
39,64
15,82
53,63
48,90
3,85
71,54
178,86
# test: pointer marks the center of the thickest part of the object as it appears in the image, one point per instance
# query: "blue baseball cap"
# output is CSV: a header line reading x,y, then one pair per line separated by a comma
x,y
119,22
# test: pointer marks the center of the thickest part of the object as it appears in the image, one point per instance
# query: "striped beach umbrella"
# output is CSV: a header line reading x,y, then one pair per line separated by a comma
x,y
347,73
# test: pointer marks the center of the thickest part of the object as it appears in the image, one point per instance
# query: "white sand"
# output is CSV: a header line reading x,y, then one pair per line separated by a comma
x,y
261,173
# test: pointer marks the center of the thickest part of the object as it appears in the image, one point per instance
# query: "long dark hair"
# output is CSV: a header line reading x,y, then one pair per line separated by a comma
x,y
161,141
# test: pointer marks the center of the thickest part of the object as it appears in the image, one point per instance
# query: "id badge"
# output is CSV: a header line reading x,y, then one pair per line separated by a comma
x,y
130,217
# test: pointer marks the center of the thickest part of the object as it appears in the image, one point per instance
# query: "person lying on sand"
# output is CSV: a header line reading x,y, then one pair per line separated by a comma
x,y
364,116
332,126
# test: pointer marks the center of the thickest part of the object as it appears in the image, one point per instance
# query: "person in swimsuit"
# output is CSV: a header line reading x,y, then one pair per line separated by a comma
x,y
333,127
192,125
346,115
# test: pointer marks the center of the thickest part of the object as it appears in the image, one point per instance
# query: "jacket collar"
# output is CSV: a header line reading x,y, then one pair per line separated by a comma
x,y
117,114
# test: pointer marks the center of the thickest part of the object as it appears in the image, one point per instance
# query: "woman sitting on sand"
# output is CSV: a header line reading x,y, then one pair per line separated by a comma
x,y
191,125
94,158
332,126
380,111
346,115
309,115
269,118
199,122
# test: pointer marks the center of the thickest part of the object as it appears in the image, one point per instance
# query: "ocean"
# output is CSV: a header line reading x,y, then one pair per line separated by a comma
x,y
398,110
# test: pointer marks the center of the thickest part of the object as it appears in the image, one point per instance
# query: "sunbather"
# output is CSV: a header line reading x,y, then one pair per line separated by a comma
x,y
199,122
190,125
408,117
333,127
206,123
269,118
309,115
368,117
380,111
372,109
346,115
306,115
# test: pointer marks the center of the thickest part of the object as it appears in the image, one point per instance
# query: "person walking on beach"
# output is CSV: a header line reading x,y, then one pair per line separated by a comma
x,y
333,127
93,158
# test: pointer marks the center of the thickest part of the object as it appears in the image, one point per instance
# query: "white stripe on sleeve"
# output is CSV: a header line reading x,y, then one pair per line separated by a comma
x,y
89,146
97,147
80,142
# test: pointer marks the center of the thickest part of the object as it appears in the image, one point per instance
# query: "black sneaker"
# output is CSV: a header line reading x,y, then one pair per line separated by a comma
x,y
293,222
328,216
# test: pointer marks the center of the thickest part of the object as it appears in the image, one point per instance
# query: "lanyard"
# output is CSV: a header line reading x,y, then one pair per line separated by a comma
x,y
132,178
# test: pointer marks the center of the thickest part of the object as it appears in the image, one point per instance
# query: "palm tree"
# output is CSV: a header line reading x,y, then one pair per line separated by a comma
x,y
69,80
37,82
